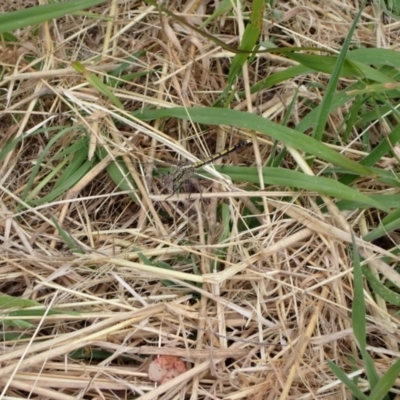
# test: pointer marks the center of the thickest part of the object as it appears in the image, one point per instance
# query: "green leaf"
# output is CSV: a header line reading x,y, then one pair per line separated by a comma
x,y
221,9
338,100
82,143
18,323
375,56
43,154
76,161
325,64
287,136
348,69
76,176
67,238
16,302
14,336
278,77
97,84
383,148
299,180
386,200
358,309
348,382
120,174
334,78
159,264
359,318
380,289
41,312
249,40
386,382
36,15
389,224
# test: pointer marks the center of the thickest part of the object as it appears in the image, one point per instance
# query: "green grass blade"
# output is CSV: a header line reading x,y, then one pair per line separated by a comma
x,y
359,319
389,224
7,301
358,309
339,99
97,84
334,78
119,173
39,162
67,238
76,160
387,381
78,174
249,40
375,56
36,15
380,289
287,136
382,149
388,201
222,8
288,178
347,381
278,77
349,69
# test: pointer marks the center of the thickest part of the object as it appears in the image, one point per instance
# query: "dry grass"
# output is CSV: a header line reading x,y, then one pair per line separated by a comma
x,y
253,289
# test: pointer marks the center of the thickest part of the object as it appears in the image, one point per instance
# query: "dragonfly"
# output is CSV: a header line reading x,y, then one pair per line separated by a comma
x,y
174,179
